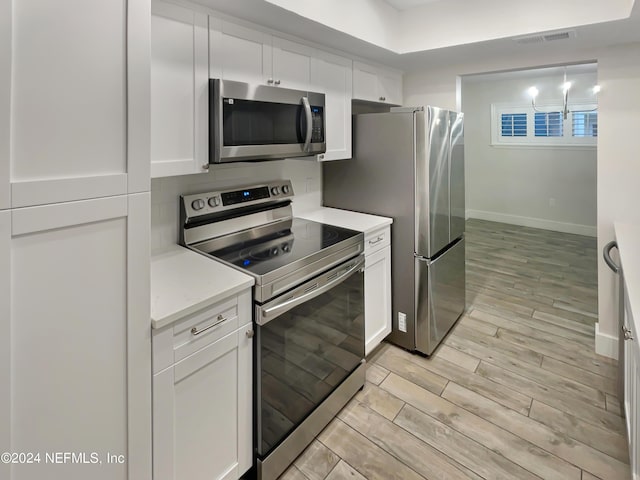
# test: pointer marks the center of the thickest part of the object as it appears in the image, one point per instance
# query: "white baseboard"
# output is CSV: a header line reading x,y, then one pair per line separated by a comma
x,y
606,345
533,222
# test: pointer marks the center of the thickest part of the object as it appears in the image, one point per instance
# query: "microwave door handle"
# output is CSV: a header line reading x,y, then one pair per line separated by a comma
x,y
307,114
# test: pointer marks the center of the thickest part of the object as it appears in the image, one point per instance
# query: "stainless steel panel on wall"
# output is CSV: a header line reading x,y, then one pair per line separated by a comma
x,y
456,182
440,296
433,232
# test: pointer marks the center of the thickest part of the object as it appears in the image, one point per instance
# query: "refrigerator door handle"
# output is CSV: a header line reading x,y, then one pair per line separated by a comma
x,y
606,254
422,258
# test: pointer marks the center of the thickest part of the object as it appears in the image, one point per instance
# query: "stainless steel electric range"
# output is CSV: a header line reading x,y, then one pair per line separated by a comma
x,y
308,309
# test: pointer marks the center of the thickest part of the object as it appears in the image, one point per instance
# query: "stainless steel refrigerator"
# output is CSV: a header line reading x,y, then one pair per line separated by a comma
x,y
408,164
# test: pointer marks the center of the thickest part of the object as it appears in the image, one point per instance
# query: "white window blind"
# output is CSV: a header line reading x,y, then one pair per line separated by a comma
x,y
585,124
520,125
513,125
548,124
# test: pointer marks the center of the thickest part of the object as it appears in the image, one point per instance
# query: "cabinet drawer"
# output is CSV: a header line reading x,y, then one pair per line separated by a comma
x,y
377,240
203,328
194,332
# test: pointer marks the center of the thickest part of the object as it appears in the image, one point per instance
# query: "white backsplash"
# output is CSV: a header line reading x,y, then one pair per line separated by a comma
x,y
305,175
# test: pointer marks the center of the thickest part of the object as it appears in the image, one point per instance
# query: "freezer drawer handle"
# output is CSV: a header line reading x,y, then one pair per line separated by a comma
x,y
218,321
606,254
626,333
377,240
269,313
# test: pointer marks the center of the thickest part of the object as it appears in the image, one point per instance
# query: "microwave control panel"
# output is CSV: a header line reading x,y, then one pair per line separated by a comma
x,y
317,124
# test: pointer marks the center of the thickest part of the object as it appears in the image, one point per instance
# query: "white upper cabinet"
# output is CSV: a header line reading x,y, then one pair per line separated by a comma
x,y
332,75
390,84
5,105
376,84
68,99
242,54
292,64
239,53
179,91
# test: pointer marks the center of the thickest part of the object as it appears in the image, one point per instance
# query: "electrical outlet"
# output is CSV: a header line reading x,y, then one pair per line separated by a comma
x,y
402,322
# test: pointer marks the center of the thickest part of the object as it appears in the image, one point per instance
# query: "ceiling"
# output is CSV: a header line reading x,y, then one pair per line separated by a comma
x,y
587,37
532,73
406,4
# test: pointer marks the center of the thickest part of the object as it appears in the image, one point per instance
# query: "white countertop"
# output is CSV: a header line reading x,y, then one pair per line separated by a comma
x,y
183,281
628,238
361,222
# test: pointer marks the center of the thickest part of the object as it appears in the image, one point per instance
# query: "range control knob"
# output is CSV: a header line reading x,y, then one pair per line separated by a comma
x,y
275,251
285,189
214,201
286,248
197,204
275,190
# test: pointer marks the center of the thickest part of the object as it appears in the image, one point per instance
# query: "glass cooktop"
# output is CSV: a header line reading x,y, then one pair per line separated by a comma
x,y
269,253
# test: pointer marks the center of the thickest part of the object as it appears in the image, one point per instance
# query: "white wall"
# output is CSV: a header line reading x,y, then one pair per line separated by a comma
x,y
618,160
618,167
545,187
305,175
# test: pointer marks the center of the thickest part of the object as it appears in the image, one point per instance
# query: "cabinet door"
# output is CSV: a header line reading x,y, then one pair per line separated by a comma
x,y
80,347
376,85
5,105
632,390
390,87
292,64
239,53
365,82
377,298
5,338
202,413
332,75
179,91
68,99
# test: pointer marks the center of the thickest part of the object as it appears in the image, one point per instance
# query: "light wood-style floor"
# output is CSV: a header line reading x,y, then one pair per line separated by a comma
x,y
514,392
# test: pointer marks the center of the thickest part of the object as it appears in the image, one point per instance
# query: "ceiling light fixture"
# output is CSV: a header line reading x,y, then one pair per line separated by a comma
x,y
566,86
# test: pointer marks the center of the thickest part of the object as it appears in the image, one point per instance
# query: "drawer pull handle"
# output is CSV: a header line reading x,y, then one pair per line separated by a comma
x,y
377,240
218,321
250,333
627,333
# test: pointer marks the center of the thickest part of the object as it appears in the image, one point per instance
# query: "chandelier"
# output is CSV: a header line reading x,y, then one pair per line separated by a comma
x,y
566,86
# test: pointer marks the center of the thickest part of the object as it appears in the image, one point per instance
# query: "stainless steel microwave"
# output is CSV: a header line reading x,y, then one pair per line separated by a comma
x,y
259,122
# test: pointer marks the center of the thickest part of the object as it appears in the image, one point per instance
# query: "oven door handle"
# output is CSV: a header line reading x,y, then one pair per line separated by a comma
x,y
274,311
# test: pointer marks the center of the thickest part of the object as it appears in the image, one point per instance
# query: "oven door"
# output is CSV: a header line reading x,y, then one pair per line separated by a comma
x,y
308,341
258,122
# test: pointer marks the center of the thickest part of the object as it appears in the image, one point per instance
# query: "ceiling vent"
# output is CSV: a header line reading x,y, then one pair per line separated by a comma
x,y
545,37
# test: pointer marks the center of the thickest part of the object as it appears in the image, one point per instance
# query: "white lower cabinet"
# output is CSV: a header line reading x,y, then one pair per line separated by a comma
x,y
632,391
377,287
377,298
202,402
75,341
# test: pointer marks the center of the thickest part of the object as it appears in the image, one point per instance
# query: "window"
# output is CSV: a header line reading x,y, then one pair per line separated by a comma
x,y
513,125
585,124
520,125
548,124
